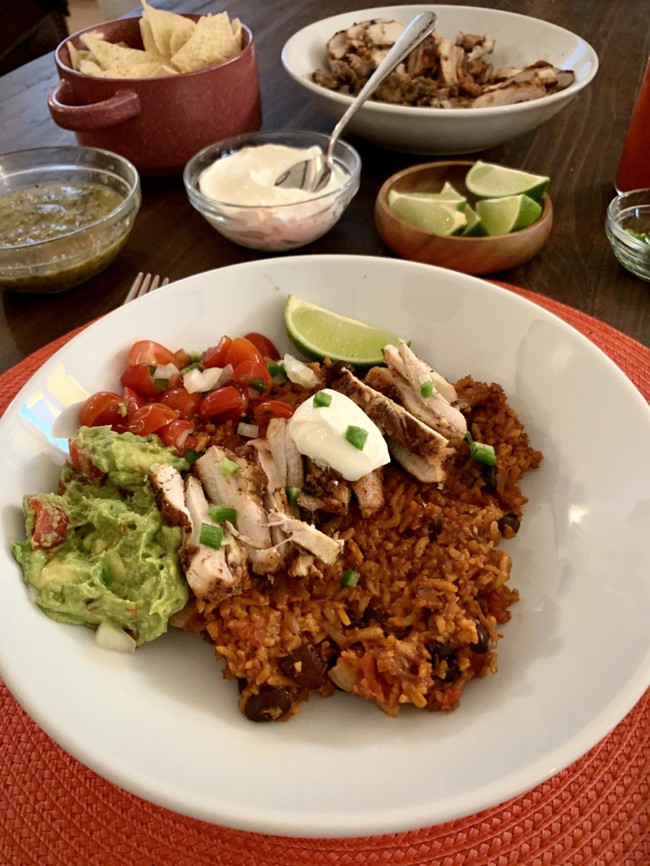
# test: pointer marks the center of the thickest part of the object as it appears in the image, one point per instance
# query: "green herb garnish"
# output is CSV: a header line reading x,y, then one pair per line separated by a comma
x,y
356,436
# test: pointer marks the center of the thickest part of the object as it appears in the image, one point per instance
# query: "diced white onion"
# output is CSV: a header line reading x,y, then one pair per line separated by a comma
x,y
250,431
226,375
164,371
109,637
299,373
196,381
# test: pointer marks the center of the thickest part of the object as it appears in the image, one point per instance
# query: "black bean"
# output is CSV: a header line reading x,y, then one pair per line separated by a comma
x,y
442,652
269,705
509,525
304,666
482,644
434,527
489,474
242,682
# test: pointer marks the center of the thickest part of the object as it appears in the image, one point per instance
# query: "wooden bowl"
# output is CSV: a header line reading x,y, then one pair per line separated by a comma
x,y
471,255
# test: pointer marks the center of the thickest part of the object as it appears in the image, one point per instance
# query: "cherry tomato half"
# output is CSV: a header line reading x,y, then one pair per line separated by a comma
x,y
226,399
140,380
215,356
81,461
242,349
273,409
186,404
175,434
102,408
265,346
131,400
148,352
150,418
253,371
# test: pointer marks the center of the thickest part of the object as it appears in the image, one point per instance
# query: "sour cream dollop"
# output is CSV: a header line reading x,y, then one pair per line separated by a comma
x,y
319,432
247,177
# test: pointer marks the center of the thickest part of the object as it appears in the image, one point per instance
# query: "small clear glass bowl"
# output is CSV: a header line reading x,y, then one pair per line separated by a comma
x,y
629,215
274,228
70,258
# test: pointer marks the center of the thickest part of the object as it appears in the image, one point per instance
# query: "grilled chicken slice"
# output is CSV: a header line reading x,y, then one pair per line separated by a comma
x,y
407,374
242,490
212,574
324,489
369,490
287,458
307,536
396,423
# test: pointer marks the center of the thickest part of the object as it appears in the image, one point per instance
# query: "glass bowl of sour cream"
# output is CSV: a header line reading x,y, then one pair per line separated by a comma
x,y
232,184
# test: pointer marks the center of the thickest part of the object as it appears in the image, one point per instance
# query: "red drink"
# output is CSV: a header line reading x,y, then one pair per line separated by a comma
x,y
634,166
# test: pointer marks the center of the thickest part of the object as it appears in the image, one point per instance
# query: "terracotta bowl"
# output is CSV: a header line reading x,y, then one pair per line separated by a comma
x,y
157,123
471,255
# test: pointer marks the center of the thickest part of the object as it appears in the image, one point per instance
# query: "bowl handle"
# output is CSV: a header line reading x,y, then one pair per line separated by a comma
x,y
123,105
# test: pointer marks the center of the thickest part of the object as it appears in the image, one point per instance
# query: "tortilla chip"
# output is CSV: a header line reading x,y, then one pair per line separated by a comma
x,y
76,55
165,25
89,67
147,36
212,42
120,60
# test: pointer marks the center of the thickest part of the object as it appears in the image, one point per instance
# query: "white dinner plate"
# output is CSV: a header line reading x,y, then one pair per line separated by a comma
x,y
574,659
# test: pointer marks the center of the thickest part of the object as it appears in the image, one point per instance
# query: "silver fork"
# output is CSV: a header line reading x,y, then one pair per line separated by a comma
x,y
143,284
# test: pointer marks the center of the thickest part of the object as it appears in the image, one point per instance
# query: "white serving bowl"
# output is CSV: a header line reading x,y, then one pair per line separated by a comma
x,y
574,659
519,40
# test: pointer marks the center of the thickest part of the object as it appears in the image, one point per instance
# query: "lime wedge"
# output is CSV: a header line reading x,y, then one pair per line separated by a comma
x,y
485,180
447,193
500,216
474,227
427,212
318,333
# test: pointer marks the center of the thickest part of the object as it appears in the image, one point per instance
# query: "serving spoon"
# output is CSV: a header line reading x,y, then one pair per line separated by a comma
x,y
314,173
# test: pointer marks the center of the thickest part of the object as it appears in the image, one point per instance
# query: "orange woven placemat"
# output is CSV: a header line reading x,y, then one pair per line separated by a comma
x,y
56,812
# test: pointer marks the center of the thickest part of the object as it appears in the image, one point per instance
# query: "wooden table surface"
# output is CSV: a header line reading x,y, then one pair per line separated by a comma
x,y
578,149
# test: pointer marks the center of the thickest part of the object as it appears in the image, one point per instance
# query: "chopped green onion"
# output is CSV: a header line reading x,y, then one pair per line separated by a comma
x,y
161,384
292,494
211,536
228,467
322,398
427,389
480,451
276,370
356,436
191,456
221,513
257,385
350,577
195,365
195,357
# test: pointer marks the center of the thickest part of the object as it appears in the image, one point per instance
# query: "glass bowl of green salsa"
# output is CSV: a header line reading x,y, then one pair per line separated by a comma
x,y
65,214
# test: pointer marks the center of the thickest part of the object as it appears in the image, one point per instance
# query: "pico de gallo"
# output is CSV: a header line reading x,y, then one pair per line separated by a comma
x,y
171,393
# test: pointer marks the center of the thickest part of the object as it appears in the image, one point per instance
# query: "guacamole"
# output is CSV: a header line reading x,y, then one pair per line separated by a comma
x,y
98,550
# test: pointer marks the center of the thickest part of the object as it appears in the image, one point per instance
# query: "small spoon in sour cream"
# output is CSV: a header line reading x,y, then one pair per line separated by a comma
x,y
314,173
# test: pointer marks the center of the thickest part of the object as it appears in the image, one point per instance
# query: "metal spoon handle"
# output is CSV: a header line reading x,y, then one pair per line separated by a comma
x,y
410,38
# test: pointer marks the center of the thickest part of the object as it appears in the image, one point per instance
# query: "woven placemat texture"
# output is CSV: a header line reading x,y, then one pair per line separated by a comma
x,y
56,812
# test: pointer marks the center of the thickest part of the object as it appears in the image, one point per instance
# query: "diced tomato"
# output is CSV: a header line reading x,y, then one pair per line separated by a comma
x,y
226,399
215,356
50,522
148,352
249,371
242,349
131,400
150,418
81,461
273,409
266,347
103,408
180,399
182,358
140,380
450,698
175,434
